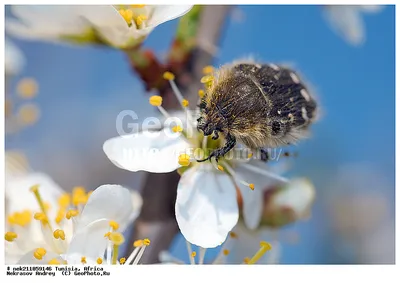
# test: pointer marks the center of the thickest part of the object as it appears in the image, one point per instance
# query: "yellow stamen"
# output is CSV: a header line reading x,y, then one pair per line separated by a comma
x,y
168,76
41,217
208,70
184,160
246,260
122,260
127,15
39,253
138,243
47,206
139,20
220,168
146,242
193,254
107,235
233,235
59,234
12,219
264,247
28,114
177,129
155,100
207,79
114,225
60,215
137,6
83,260
89,194
99,260
79,196
27,88
250,155
201,93
53,261
71,213
10,236
64,200
35,190
251,186
117,238
226,252
185,103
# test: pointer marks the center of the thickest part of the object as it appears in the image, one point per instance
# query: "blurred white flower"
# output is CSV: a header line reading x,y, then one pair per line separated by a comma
x,y
121,26
206,205
66,226
14,59
347,21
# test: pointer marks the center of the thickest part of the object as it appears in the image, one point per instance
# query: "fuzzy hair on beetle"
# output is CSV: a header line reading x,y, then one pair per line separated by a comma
x,y
258,105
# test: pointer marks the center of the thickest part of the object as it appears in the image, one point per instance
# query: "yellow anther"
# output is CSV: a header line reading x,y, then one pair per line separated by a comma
x,y
208,70
226,252
78,190
122,260
250,155
264,247
207,79
177,129
220,168
168,76
185,103
71,213
27,88
83,260
155,100
184,160
89,194
114,225
79,196
60,215
64,200
246,260
193,254
59,234
99,260
107,235
233,235
41,217
127,15
117,238
137,6
251,186
138,243
35,189
39,253
139,20
28,114
146,242
201,93
10,236
53,261
12,219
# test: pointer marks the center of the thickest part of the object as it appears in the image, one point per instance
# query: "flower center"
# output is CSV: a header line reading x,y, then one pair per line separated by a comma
x,y
134,15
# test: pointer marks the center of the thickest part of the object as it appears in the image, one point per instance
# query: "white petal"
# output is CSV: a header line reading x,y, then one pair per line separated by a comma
x,y
153,152
299,194
247,244
137,202
206,206
28,258
14,59
165,13
108,23
89,241
253,199
111,202
347,22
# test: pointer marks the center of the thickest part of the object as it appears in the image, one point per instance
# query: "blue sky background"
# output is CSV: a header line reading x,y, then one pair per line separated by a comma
x,y
82,90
